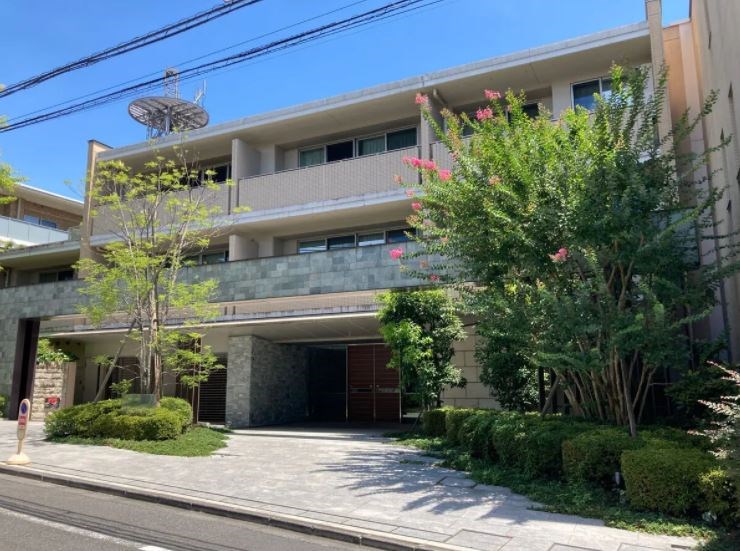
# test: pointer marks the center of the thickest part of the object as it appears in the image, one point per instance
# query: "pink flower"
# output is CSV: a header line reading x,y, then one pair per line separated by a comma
x,y
560,256
492,94
445,175
421,99
428,165
434,278
413,161
494,180
395,254
416,206
398,179
410,193
483,114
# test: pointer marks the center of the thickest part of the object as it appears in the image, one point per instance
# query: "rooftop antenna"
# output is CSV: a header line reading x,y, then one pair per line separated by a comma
x,y
200,94
168,113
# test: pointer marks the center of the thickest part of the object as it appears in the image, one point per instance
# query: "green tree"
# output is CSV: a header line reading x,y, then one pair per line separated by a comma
x,y
158,218
581,239
420,328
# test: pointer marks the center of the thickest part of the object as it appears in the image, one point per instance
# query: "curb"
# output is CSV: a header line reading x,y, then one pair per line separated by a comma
x,y
329,530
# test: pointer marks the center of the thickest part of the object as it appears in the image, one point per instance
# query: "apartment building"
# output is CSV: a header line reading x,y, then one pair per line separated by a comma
x,y
300,271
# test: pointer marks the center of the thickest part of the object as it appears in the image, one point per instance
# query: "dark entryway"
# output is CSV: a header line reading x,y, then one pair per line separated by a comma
x,y
327,383
25,361
209,398
373,389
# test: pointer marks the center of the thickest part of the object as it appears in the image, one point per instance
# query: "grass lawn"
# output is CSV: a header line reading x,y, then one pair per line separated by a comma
x,y
558,496
197,442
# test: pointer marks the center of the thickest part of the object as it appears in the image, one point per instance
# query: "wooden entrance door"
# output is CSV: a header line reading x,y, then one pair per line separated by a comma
x,y
373,389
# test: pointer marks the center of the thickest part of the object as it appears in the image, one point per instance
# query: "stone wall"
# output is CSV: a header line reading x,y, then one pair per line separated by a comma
x,y
475,394
266,383
52,381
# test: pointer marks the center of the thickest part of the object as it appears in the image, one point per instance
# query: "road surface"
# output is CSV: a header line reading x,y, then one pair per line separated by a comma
x,y
38,515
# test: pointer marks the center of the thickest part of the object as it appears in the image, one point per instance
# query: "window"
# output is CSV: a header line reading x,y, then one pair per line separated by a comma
x,y
48,224
32,219
401,139
398,236
339,151
532,110
370,239
53,277
215,257
342,242
218,174
370,146
309,157
312,246
583,93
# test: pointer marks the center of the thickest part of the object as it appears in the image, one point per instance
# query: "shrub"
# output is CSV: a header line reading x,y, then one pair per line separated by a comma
x,y
108,419
594,456
78,420
475,435
454,421
4,403
664,480
181,407
433,422
506,434
679,437
540,447
719,495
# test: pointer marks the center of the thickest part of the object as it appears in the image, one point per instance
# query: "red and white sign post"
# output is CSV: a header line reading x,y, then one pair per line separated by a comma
x,y
24,416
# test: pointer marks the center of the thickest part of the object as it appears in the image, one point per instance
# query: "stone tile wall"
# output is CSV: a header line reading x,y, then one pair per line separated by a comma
x,y
266,384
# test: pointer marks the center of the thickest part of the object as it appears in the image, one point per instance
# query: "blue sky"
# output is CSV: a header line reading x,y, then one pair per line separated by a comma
x,y
43,34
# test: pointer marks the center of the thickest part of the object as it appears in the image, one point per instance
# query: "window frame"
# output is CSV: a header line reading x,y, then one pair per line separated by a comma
x,y
355,145
599,79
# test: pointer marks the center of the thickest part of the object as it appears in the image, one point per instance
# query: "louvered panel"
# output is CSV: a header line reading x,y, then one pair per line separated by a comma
x,y
212,400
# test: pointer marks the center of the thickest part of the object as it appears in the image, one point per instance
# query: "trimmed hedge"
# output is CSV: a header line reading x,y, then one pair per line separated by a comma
x,y
108,419
433,422
475,435
594,456
665,480
454,420
4,403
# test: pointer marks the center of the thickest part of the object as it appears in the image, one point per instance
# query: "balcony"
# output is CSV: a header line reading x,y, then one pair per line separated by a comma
x,y
354,177
25,234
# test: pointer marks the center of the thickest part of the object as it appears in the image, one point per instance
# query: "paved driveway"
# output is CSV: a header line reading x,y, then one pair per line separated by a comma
x,y
350,476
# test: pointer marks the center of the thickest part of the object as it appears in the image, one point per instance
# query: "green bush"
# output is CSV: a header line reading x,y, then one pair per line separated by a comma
x,y
665,480
78,420
181,407
719,495
433,422
540,447
454,421
679,437
593,456
108,419
475,435
4,403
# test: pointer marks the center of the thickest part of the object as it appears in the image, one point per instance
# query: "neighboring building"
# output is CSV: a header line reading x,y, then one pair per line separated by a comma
x,y
300,271
37,217
703,54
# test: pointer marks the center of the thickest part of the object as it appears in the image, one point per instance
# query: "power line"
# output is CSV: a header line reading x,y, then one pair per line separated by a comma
x,y
372,16
135,43
191,60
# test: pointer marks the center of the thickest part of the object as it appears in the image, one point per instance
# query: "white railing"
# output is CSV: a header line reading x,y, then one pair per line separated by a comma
x,y
21,232
348,178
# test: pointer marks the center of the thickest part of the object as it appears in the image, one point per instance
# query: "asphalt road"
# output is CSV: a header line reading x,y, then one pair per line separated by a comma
x,y
37,515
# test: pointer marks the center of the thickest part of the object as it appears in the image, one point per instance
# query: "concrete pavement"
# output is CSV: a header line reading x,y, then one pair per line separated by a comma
x,y
343,478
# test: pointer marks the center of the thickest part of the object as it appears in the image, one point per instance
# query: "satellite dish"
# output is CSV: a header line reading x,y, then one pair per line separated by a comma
x,y
169,113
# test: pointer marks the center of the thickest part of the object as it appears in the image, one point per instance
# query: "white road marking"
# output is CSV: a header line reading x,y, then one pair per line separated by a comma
x,y
79,531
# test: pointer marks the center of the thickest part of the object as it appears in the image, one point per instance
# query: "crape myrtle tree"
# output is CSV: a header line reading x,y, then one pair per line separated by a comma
x,y
159,217
580,238
421,327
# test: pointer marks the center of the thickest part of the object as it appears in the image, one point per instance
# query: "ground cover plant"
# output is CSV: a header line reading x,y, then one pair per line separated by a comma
x,y
163,430
670,483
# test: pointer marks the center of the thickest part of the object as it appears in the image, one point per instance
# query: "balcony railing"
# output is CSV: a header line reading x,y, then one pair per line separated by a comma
x,y
26,233
326,182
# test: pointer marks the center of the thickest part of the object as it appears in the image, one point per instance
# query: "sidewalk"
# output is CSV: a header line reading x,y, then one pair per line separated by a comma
x,y
340,482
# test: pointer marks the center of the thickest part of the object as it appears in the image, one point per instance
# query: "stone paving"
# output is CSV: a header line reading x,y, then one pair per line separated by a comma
x,y
347,476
